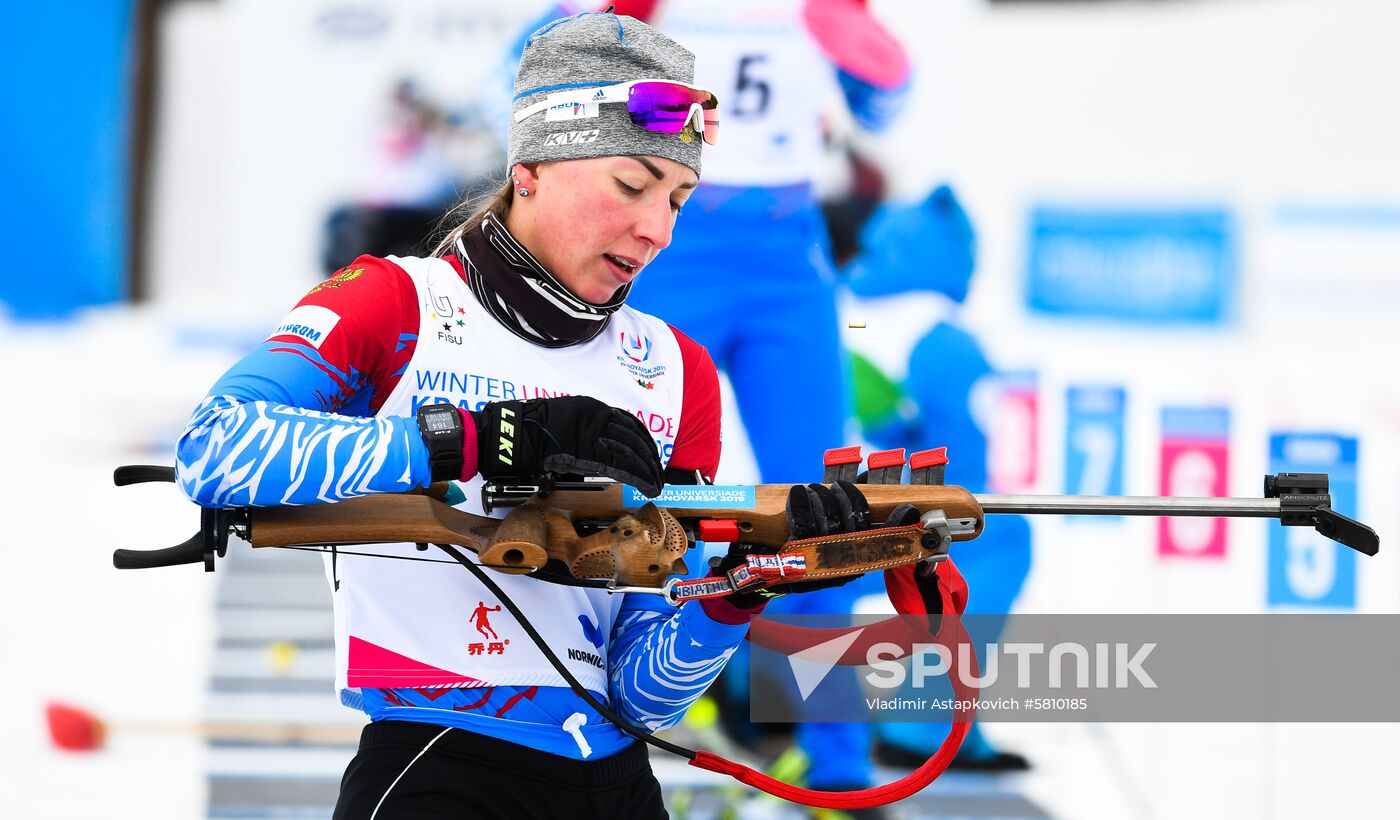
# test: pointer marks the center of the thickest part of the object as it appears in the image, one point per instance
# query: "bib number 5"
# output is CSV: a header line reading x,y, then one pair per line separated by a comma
x,y
751,92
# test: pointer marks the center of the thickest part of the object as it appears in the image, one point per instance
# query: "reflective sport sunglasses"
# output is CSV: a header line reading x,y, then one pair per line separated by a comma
x,y
661,106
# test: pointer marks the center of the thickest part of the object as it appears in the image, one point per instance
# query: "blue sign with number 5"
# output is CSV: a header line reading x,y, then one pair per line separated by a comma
x,y
1306,569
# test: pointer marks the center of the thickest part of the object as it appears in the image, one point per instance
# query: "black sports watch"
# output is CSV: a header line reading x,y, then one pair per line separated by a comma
x,y
441,427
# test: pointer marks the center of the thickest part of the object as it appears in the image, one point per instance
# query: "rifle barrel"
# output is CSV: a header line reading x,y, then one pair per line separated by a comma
x,y
1129,505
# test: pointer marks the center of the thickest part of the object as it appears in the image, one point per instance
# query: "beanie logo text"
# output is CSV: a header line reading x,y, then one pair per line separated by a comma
x,y
572,137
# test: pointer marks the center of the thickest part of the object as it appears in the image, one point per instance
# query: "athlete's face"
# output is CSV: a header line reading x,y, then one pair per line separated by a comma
x,y
595,223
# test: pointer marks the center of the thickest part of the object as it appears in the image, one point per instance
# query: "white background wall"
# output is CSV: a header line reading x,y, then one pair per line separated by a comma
x,y
1251,104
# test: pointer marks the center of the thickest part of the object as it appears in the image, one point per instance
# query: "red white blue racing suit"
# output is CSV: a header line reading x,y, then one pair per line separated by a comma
x,y
323,411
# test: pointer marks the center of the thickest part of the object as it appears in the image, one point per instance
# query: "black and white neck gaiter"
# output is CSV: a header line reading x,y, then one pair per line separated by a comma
x,y
517,290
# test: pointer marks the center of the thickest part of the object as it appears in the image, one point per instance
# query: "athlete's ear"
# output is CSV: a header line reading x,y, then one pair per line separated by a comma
x,y
525,175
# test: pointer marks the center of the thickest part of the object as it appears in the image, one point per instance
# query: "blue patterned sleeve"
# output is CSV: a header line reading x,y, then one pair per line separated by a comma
x,y
261,453
294,422
662,659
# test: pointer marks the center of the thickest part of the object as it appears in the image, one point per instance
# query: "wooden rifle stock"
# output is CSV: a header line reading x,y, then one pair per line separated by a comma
x,y
642,546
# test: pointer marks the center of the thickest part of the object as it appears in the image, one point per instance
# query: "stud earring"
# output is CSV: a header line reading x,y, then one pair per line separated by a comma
x,y
523,191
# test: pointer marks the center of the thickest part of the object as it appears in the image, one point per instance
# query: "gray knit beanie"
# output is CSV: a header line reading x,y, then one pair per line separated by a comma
x,y
590,50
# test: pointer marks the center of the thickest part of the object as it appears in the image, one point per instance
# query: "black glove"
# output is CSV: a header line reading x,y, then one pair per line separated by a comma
x,y
814,509
569,435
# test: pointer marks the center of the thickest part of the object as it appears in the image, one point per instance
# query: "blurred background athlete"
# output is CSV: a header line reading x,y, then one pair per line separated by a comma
x,y
929,248
755,233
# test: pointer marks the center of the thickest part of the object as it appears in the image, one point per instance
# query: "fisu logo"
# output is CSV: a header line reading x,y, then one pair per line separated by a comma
x,y
572,137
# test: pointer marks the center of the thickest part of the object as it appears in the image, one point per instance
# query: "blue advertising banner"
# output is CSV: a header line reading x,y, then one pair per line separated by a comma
x,y
1136,265
1094,440
1306,569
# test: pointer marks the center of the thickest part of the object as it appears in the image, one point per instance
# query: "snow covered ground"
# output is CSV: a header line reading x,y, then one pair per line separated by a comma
x,y
104,389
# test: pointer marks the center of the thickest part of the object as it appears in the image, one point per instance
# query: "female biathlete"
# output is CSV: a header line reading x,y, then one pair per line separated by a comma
x,y
510,353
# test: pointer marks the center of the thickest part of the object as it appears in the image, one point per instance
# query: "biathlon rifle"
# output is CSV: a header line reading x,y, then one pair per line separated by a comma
x,y
599,533
603,535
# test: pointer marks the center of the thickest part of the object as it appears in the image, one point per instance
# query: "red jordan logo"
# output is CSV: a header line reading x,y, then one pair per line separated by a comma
x,y
482,618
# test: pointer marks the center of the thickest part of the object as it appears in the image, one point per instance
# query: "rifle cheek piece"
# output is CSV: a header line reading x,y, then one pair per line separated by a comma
x,y
645,546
